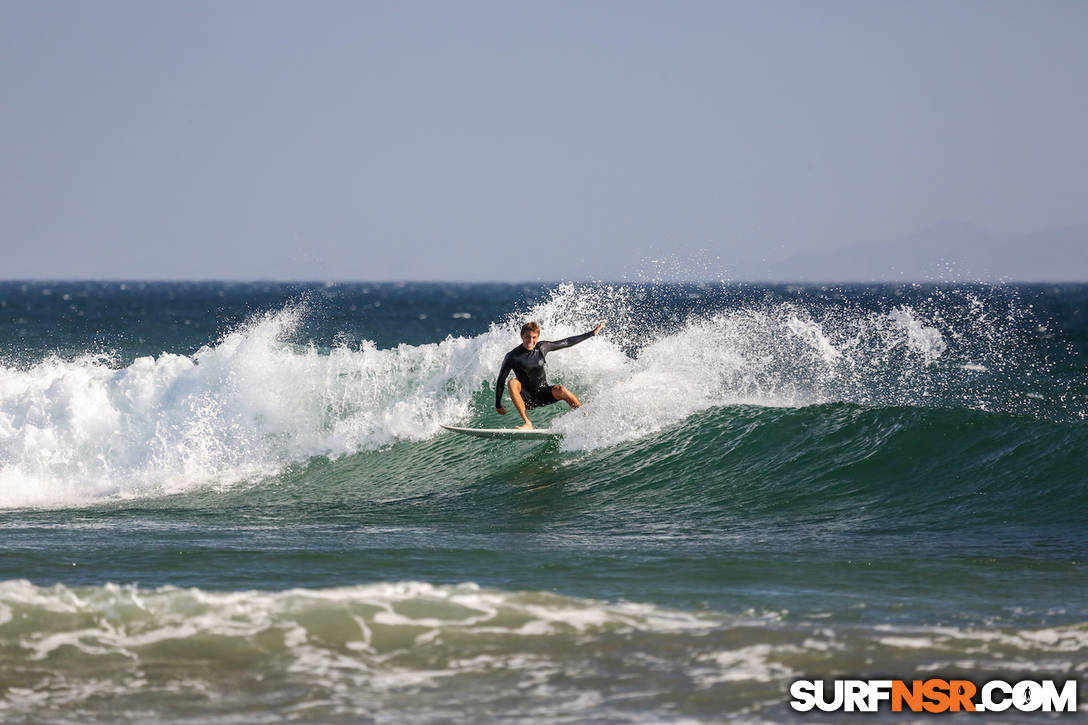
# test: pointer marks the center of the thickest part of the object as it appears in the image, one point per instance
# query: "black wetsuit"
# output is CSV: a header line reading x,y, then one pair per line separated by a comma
x,y
528,367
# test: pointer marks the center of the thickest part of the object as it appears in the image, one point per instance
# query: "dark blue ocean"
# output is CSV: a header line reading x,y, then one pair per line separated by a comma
x,y
234,502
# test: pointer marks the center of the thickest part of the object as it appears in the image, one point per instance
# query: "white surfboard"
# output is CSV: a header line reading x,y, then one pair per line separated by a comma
x,y
505,432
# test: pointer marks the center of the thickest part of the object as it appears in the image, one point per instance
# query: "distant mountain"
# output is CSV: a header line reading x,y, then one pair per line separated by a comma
x,y
947,251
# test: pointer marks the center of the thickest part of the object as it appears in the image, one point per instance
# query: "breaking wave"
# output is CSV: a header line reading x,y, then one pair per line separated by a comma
x,y
85,429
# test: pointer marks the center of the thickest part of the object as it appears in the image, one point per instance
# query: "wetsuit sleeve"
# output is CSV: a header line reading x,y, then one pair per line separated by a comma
x,y
504,373
547,346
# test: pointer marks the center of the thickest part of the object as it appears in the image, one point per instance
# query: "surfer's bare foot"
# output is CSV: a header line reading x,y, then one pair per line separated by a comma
x,y
524,426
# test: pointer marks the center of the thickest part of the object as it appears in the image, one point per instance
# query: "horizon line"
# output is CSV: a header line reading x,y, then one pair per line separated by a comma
x,y
352,281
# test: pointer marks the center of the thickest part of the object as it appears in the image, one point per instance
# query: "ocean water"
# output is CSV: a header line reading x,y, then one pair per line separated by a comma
x,y
234,503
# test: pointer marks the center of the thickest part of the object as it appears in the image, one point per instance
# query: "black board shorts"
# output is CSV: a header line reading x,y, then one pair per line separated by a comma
x,y
537,398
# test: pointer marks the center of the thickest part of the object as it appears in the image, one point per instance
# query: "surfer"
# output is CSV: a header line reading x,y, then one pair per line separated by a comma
x,y
529,389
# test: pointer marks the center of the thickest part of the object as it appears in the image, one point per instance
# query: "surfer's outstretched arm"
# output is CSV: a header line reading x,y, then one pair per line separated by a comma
x,y
546,346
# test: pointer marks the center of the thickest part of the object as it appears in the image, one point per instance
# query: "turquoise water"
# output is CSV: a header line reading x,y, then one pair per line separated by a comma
x,y
234,502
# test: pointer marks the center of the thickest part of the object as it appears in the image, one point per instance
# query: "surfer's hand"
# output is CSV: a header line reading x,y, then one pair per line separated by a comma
x,y
502,410
598,328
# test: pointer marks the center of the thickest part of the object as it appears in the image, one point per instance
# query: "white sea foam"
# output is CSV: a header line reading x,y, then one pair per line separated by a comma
x,y
84,430
398,649
404,648
73,431
768,356
126,619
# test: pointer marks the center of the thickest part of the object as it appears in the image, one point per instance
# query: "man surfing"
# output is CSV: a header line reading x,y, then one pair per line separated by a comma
x,y
529,389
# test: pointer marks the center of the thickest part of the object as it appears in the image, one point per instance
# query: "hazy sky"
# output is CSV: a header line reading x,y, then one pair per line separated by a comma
x,y
523,141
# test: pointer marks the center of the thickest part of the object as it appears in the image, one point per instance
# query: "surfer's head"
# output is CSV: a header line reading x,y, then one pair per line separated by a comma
x,y
530,333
